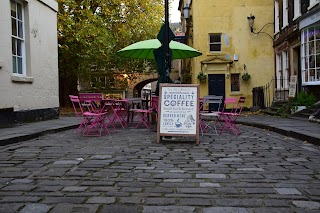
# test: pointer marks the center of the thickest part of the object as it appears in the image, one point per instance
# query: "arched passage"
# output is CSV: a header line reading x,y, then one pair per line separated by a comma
x,y
135,87
138,88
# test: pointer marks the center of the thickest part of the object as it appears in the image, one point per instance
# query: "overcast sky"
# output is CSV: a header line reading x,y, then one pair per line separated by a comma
x,y
174,12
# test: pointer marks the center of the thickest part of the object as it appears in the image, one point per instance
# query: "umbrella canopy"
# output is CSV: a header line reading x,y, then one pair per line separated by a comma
x,y
144,50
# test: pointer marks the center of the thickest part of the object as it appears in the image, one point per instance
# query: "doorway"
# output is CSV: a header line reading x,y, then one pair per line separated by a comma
x,y
216,86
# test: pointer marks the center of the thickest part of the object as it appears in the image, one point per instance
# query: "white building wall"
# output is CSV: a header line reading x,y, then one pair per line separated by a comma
x,y
39,89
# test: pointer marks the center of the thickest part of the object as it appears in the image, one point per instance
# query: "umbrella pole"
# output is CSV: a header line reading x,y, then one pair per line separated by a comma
x,y
166,41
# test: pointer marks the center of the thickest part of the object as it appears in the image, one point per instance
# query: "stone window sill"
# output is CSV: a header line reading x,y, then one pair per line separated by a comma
x,y
235,93
22,79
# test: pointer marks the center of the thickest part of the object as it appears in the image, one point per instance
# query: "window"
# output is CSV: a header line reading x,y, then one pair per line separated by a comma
x,y
285,70
313,3
297,9
235,82
285,13
310,56
279,73
276,16
17,38
215,42
282,67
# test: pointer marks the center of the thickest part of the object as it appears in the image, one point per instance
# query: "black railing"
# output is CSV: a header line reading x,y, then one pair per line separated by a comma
x,y
275,90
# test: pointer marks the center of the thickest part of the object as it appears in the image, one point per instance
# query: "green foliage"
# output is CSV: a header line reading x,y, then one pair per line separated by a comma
x,y
246,76
202,77
90,32
186,78
304,99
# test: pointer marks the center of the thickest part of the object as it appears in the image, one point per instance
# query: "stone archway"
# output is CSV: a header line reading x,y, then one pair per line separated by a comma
x,y
140,82
144,79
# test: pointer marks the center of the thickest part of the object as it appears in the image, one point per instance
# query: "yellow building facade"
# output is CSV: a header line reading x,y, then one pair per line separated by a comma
x,y
220,30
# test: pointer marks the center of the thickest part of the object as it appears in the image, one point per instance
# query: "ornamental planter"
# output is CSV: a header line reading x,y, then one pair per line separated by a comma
x,y
246,77
202,77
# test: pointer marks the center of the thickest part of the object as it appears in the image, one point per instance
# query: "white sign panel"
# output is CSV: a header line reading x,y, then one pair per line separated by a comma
x,y
179,107
292,86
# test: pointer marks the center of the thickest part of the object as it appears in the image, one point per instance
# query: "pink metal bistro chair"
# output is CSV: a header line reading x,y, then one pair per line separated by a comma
x,y
78,111
91,100
114,109
231,117
92,123
144,117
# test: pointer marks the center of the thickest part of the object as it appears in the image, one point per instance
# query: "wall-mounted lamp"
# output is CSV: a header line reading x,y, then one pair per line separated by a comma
x,y
228,71
251,23
186,15
186,11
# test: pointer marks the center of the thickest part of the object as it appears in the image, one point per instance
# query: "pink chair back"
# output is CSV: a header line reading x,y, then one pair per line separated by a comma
x,y
94,99
230,103
78,110
155,103
240,104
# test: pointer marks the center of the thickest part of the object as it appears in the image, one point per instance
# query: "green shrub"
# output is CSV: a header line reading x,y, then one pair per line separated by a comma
x,y
304,99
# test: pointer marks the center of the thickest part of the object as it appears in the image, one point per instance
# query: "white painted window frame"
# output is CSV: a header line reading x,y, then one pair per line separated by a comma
x,y
16,38
285,11
306,69
312,4
276,17
220,43
278,69
297,9
285,69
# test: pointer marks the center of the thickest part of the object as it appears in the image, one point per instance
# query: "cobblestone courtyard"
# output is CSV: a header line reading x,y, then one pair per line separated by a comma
x,y
259,171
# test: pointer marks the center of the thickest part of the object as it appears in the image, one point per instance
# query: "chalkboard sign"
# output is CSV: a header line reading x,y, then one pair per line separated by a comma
x,y
178,113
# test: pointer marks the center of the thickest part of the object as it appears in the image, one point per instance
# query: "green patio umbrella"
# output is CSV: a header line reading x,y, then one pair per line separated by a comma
x,y
144,50
154,49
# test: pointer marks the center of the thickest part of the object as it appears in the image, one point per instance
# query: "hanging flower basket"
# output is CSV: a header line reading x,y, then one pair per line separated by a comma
x,y
246,77
202,77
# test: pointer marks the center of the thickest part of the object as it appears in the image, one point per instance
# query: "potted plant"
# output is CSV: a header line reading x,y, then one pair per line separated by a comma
x,y
202,77
246,76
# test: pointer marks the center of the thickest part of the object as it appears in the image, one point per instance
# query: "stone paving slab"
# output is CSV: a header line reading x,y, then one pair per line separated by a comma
x,y
258,171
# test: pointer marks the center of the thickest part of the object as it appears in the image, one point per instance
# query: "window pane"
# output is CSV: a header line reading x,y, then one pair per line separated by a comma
x,y
306,50
215,38
312,61
19,11
14,47
14,64
235,83
19,65
318,46
317,32
311,48
14,26
312,75
20,29
19,47
318,74
318,61
306,79
311,34
215,47
13,9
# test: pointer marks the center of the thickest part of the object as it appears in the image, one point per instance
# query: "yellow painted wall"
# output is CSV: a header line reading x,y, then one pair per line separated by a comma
x,y
230,19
